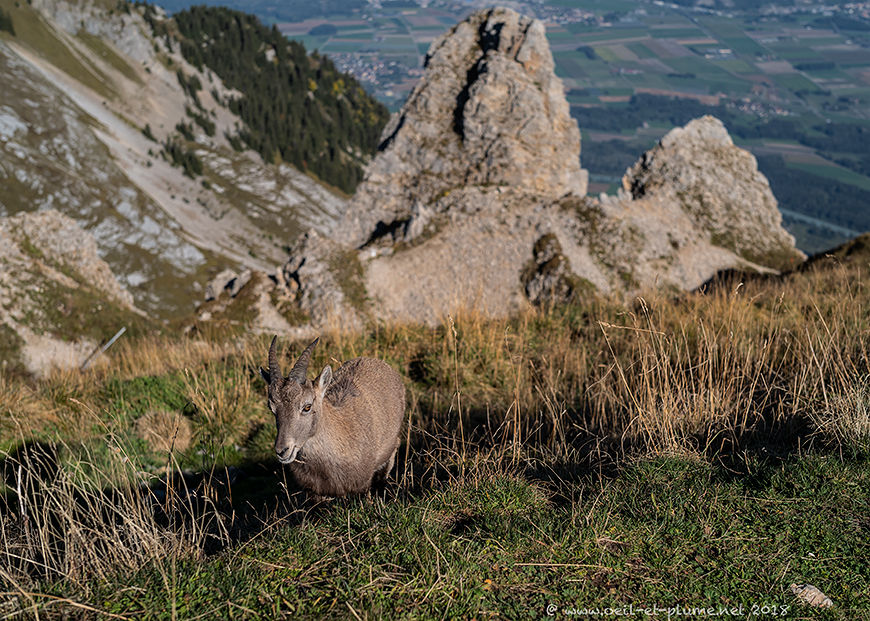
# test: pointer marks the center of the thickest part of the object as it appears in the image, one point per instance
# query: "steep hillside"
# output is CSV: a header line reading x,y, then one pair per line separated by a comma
x,y
104,122
708,447
296,108
58,299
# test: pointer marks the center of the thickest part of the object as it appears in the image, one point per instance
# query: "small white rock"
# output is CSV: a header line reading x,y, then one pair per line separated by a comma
x,y
811,595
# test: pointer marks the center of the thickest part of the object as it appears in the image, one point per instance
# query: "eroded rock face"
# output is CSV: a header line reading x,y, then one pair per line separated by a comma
x,y
325,279
477,199
488,111
55,240
719,185
52,284
548,278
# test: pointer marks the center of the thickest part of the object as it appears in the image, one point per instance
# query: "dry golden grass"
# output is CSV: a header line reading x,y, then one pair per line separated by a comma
x,y
78,522
164,431
159,355
669,374
772,362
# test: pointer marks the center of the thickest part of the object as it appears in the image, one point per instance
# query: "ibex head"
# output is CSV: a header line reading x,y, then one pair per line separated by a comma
x,y
295,401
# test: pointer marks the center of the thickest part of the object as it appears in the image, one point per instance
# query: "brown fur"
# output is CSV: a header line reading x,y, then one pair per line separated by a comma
x,y
349,437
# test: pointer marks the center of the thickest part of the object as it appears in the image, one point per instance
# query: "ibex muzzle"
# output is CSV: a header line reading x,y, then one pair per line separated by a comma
x,y
338,432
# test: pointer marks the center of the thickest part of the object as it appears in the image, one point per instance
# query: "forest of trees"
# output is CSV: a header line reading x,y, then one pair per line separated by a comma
x,y
297,108
6,22
815,196
612,157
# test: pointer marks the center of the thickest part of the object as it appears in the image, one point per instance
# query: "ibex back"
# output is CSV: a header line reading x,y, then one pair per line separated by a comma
x,y
340,432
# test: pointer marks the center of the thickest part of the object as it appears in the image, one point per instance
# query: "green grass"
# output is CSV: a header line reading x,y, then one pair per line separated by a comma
x,y
338,47
82,312
32,31
664,532
735,65
310,42
580,28
648,80
570,64
795,53
561,37
710,77
101,49
723,27
829,74
677,33
130,398
703,449
640,50
606,54
743,45
612,34
617,91
795,82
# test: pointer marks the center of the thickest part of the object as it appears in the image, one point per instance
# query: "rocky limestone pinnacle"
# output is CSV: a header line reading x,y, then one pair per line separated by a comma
x,y
477,201
489,111
719,185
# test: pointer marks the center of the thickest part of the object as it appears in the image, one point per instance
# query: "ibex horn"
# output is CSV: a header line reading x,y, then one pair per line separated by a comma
x,y
300,369
274,369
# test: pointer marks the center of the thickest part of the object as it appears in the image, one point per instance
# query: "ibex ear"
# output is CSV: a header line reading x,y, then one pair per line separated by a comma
x,y
265,375
325,378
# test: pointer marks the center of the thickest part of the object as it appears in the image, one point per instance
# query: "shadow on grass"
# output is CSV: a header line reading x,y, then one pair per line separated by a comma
x,y
235,504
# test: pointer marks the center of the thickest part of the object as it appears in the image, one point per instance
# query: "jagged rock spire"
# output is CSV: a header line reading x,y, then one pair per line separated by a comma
x,y
488,111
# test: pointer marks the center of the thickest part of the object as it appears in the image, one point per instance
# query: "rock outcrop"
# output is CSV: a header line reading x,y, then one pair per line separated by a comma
x,y
489,111
476,200
719,185
54,291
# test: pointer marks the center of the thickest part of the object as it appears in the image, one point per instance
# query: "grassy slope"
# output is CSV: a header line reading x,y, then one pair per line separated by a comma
x,y
703,450
32,31
668,532
62,312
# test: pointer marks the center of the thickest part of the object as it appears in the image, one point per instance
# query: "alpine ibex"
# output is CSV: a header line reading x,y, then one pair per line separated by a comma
x,y
341,431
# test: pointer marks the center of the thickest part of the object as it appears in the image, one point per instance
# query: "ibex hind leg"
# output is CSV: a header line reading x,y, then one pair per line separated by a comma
x,y
379,479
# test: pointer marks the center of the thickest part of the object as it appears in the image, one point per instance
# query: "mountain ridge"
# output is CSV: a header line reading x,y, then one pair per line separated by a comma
x,y
475,201
429,235
116,109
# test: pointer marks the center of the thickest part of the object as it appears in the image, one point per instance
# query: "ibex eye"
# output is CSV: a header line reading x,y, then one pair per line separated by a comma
x,y
307,408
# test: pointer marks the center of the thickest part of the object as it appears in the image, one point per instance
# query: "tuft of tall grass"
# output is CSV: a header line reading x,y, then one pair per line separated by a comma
x,y
777,363
71,516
